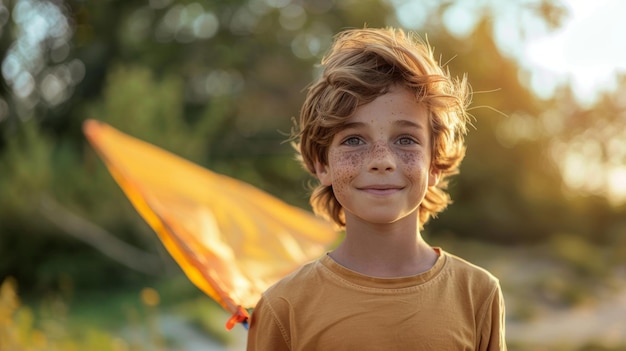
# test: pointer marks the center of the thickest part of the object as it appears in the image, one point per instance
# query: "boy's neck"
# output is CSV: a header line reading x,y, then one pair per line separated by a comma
x,y
392,250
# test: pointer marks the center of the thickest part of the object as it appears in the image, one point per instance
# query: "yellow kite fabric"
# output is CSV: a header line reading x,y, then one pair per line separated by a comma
x,y
231,239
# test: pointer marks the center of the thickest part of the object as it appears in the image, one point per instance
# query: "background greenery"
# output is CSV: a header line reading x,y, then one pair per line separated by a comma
x,y
218,82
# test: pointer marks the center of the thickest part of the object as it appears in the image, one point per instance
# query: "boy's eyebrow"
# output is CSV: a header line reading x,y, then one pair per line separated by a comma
x,y
399,123
352,125
407,123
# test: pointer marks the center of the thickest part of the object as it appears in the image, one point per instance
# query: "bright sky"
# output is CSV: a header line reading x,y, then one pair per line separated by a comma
x,y
589,49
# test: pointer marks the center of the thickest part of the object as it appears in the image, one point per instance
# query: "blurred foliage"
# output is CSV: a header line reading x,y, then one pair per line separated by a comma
x,y
21,329
118,321
218,83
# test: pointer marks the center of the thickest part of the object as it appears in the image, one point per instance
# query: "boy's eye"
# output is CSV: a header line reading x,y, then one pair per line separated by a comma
x,y
406,141
352,141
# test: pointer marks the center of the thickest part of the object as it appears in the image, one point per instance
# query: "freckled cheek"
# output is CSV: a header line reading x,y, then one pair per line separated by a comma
x,y
410,159
410,162
345,167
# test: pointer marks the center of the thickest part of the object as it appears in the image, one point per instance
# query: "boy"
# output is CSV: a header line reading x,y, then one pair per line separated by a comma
x,y
382,130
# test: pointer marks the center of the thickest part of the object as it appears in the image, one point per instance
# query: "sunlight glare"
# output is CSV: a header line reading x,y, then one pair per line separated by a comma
x,y
587,51
617,185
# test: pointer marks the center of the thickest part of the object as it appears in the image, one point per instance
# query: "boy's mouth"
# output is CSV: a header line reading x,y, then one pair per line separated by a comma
x,y
381,189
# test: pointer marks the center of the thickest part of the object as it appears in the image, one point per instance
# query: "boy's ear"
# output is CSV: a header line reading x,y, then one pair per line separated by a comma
x,y
433,176
322,173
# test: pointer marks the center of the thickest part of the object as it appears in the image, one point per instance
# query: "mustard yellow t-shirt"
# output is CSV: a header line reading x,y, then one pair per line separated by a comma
x,y
325,306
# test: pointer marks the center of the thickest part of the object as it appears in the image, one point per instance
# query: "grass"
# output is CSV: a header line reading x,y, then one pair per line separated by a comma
x,y
116,320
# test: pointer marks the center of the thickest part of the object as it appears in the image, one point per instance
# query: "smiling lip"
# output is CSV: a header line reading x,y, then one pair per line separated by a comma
x,y
381,189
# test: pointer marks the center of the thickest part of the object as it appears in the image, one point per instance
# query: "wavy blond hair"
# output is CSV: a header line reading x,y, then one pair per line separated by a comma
x,y
361,65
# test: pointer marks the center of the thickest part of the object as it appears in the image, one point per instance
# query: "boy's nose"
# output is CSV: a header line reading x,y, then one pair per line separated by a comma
x,y
381,158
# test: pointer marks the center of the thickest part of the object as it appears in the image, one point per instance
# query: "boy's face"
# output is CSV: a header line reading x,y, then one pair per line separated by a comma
x,y
379,164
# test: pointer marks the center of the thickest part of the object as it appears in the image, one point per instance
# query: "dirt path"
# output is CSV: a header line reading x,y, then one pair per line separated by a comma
x,y
180,335
604,323
189,338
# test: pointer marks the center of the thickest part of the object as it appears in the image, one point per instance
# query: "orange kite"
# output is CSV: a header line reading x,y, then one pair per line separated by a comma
x,y
231,239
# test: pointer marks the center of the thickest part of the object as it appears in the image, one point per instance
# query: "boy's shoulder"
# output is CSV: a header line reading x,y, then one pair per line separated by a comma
x,y
300,278
461,268
294,288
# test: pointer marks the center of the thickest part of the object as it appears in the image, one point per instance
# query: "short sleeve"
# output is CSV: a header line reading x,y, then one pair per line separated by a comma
x,y
265,331
492,327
